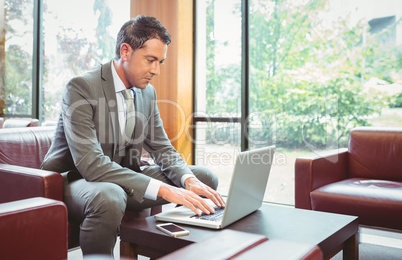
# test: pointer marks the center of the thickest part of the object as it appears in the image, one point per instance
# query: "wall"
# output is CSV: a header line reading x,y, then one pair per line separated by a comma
x,y
174,86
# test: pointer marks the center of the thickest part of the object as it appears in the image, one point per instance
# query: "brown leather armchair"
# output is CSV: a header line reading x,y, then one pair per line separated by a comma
x,y
363,180
33,228
21,153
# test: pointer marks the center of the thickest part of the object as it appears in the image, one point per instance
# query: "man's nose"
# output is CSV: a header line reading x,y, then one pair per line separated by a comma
x,y
156,68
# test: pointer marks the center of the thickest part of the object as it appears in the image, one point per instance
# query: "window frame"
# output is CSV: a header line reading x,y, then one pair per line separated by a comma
x,y
37,62
244,86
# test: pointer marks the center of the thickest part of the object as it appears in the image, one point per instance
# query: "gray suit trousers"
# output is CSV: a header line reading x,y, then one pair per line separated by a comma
x,y
100,207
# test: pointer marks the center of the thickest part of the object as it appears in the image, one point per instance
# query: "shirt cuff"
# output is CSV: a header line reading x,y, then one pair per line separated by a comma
x,y
152,190
185,177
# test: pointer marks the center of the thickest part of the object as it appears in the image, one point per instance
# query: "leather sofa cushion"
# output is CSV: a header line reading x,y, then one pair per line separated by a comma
x,y
25,146
20,122
376,202
375,154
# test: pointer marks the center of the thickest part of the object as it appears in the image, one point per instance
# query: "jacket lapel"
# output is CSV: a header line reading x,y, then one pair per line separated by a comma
x,y
111,104
139,114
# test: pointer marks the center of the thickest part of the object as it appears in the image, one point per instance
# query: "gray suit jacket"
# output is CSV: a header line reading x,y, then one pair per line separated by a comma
x,y
88,141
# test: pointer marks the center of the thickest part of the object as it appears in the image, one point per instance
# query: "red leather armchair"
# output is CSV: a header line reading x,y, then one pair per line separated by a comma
x,y
363,180
20,122
33,228
22,151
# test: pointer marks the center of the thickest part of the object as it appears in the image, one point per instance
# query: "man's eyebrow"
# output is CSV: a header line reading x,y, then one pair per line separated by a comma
x,y
155,58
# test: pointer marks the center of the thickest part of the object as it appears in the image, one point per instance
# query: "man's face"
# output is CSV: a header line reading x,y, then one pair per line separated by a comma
x,y
143,64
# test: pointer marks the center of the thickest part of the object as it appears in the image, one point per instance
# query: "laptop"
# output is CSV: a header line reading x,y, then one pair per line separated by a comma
x,y
246,193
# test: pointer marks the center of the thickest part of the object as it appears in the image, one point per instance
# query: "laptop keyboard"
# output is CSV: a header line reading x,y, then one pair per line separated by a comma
x,y
217,216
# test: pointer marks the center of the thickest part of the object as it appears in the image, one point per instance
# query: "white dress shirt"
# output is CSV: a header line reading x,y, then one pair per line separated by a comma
x,y
154,185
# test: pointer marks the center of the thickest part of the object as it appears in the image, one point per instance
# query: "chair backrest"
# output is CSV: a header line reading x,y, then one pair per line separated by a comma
x,y
20,122
25,146
375,153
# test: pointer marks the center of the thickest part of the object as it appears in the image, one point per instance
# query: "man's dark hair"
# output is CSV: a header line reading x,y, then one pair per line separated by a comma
x,y
137,31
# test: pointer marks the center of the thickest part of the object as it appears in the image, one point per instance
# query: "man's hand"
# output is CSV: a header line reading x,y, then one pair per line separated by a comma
x,y
184,197
190,198
199,188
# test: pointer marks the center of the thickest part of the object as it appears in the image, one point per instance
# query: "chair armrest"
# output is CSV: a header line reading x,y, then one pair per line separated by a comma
x,y
34,228
313,171
18,182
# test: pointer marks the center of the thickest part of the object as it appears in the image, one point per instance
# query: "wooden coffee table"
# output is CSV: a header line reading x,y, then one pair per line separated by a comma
x,y
331,232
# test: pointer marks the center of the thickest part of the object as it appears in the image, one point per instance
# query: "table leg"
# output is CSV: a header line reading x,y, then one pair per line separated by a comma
x,y
351,248
128,251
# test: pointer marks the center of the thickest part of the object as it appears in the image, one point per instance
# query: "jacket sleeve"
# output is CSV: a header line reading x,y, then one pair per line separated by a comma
x,y
158,145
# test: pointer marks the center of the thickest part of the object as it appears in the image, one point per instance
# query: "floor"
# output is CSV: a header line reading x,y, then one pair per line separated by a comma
x,y
367,235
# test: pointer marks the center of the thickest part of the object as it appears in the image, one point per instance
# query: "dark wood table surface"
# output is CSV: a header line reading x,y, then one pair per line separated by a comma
x,y
331,232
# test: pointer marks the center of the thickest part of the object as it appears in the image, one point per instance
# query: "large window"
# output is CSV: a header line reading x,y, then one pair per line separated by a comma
x,y
218,74
17,34
49,42
308,72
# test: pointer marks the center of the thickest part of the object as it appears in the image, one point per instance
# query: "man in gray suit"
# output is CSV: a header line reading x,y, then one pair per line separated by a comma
x,y
100,163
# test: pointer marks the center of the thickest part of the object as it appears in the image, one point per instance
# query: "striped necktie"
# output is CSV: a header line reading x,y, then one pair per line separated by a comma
x,y
130,113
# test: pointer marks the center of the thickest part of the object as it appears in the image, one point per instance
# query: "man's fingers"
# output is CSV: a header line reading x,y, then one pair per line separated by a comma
x,y
195,202
191,198
199,188
192,207
221,201
202,205
215,197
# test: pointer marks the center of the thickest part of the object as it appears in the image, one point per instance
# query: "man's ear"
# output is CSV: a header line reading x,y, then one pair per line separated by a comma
x,y
125,51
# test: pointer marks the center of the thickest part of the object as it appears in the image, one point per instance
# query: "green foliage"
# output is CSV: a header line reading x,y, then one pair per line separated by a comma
x,y
18,78
382,59
17,70
397,102
307,74
105,41
80,53
223,82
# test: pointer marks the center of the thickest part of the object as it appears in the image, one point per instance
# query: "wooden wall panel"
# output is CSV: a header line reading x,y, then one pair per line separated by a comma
x,y
186,76
174,86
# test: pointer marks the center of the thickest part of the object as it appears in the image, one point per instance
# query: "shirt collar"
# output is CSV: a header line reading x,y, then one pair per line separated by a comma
x,y
118,83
